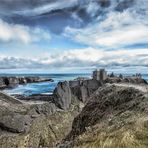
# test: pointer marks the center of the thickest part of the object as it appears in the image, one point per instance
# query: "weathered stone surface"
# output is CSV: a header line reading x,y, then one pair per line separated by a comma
x,y
44,125
9,99
132,80
15,123
45,108
62,95
35,97
2,83
81,79
12,81
67,92
113,98
34,125
82,90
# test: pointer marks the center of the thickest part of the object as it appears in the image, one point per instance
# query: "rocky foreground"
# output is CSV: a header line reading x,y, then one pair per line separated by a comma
x,y
81,113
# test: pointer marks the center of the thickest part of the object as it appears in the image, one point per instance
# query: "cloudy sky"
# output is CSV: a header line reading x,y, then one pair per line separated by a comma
x,y
73,35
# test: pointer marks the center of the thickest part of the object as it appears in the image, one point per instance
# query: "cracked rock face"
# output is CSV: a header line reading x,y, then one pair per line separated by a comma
x,y
82,90
62,95
132,80
67,92
117,99
15,123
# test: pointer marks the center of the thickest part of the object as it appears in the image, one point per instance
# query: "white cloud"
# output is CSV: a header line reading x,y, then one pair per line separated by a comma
x,y
93,57
92,8
21,33
116,29
81,58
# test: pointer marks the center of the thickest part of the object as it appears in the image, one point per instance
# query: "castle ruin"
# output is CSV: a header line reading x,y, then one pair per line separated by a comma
x,y
99,75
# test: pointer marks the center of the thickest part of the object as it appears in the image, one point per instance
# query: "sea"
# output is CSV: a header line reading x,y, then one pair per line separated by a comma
x,y
41,87
46,87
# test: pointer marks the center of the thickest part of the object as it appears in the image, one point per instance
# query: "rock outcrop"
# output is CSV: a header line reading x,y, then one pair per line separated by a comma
x,y
131,80
33,124
35,97
15,123
62,95
10,82
104,100
67,92
82,90
111,114
7,99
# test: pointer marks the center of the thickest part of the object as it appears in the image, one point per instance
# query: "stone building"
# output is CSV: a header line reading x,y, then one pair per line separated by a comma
x,y
99,74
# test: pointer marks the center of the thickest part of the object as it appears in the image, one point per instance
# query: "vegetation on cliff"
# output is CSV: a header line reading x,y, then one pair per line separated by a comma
x,y
81,114
113,117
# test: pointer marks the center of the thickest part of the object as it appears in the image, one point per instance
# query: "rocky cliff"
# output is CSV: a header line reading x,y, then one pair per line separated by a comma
x,y
81,89
113,117
81,113
67,92
33,124
131,80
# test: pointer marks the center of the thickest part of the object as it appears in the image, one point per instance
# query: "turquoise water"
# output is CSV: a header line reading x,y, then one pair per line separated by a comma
x,y
145,76
46,87
43,87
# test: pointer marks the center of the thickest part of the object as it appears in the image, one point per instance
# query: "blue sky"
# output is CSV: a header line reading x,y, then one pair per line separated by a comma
x,y
73,35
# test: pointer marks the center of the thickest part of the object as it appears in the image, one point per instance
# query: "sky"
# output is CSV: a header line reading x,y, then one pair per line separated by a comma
x,y
67,36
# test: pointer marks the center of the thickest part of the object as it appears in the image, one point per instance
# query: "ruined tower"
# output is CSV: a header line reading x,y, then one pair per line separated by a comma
x,y
99,75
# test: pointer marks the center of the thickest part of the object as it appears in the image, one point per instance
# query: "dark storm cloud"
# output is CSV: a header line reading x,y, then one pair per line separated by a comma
x,y
56,15
50,13
33,7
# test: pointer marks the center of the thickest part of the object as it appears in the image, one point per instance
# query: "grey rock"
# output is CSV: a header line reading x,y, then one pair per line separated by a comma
x,y
15,123
83,89
81,79
10,82
62,95
132,80
45,108
35,97
111,100
67,92
2,83
9,99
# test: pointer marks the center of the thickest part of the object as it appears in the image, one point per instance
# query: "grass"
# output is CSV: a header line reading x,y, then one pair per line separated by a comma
x,y
133,135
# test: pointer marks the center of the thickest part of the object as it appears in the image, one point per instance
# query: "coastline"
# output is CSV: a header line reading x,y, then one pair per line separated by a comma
x,y
46,88
45,120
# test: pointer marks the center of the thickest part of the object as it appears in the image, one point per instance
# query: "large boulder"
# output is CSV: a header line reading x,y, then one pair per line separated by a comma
x,y
45,108
2,83
62,95
10,81
13,81
15,123
9,99
22,80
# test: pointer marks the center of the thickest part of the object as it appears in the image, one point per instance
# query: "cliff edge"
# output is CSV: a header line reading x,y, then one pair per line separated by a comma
x,y
114,116
81,113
